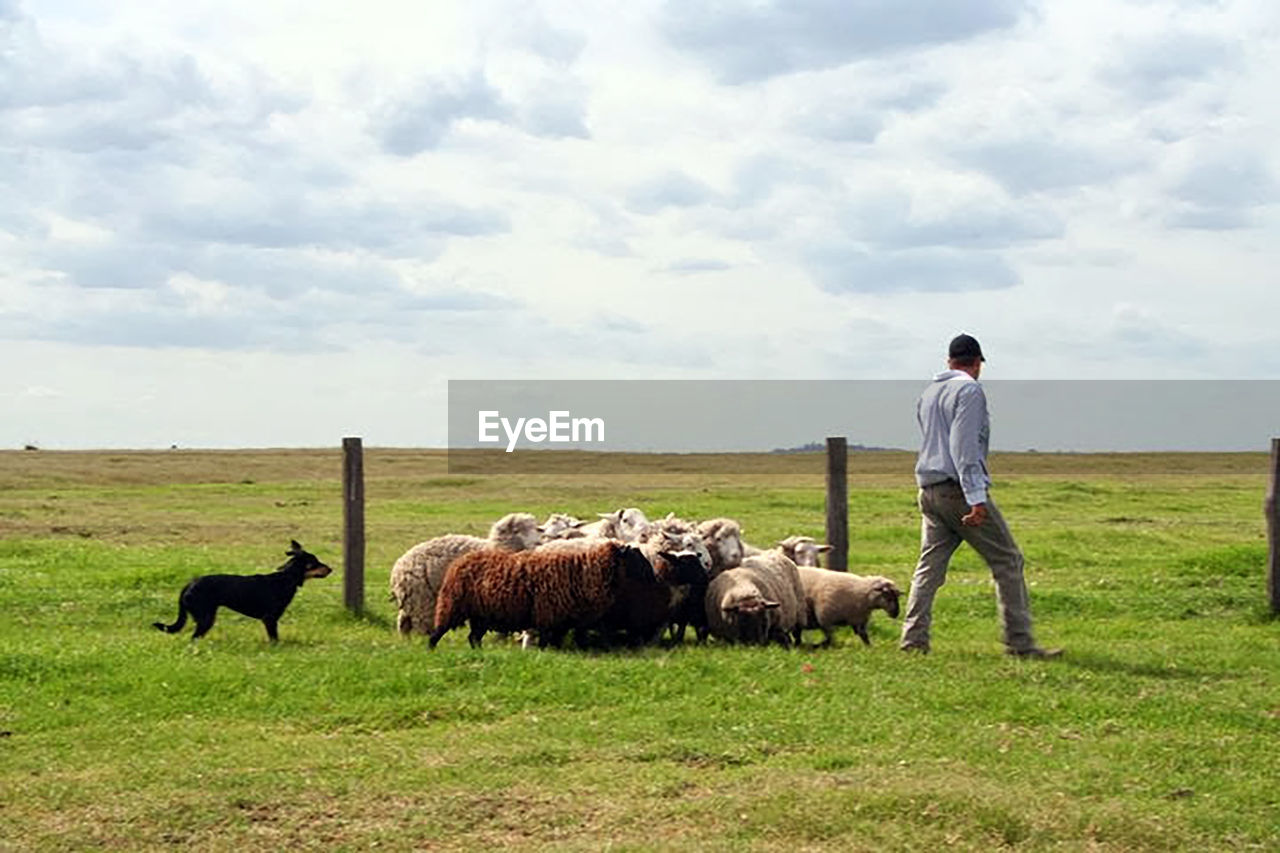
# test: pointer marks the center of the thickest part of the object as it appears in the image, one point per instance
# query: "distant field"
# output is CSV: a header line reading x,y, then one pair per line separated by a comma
x,y
1159,730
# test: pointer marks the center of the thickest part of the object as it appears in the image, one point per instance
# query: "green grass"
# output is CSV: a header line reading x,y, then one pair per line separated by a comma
x,y
1159,729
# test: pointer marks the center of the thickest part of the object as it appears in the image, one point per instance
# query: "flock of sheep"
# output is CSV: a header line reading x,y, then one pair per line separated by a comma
x,y
626,580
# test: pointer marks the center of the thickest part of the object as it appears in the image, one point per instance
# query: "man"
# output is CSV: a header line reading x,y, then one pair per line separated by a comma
x,y
952,474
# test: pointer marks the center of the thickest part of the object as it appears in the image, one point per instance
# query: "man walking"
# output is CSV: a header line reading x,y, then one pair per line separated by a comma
x,y
955,507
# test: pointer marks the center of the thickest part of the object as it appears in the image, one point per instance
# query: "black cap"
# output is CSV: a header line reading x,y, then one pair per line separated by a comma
x,y
965,347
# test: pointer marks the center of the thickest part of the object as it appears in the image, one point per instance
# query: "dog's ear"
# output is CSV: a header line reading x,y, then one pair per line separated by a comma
x,y
294,548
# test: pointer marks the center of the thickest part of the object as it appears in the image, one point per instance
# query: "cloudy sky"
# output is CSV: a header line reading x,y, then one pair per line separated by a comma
x,y
277,223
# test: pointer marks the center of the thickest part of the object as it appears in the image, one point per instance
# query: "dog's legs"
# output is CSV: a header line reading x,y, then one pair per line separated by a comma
x,y
204,621
271,629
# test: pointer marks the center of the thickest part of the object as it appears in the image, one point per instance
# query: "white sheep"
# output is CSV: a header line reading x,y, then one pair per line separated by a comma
x,y
759,601
561,526
625,525
839,598
632,522
804,550
723,538
417,575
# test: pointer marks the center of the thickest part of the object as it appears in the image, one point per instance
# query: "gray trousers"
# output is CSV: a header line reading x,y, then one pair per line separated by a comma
x,y
941,532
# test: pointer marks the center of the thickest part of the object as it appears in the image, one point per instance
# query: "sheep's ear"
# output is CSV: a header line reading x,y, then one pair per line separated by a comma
x,y
577,524
541,528
771,604
822,549
605,514
674,537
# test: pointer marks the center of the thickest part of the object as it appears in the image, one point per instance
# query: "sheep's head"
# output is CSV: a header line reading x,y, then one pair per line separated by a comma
x,y
804,550
723,538
610,525
683,567
748,612
885,595
560,526
517,531
631,522
688,542
646,532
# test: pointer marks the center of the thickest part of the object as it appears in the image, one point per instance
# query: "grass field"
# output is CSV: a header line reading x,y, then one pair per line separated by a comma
x,y
1159,729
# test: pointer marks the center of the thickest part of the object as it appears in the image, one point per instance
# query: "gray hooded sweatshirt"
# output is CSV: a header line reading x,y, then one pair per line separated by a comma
x,y
952,413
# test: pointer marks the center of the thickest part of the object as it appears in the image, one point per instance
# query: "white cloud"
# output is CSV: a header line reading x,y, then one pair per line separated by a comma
x,y
673,189
416,121
547,188
841,270
1219,189
1164,65
693,266
745,42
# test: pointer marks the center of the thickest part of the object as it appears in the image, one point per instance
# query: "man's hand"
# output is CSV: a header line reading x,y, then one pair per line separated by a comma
x,y
976,515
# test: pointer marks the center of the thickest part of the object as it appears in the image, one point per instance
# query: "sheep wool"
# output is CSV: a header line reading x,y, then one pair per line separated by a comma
x,y
756,602
417,575
833,599
549,590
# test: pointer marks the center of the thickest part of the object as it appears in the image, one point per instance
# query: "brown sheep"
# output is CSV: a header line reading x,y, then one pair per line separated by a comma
x,y
549,591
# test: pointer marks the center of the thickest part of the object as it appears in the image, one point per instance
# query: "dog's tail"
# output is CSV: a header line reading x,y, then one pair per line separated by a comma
x,y
176,626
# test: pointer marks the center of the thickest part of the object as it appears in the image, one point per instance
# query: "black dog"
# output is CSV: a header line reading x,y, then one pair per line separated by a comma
x,y
262,597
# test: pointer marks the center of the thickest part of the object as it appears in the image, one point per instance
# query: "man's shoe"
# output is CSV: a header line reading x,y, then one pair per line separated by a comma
x,y
1035,652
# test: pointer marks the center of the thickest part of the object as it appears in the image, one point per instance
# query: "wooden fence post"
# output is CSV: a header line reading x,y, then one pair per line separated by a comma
x,y
353,524
1272,508
838,503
